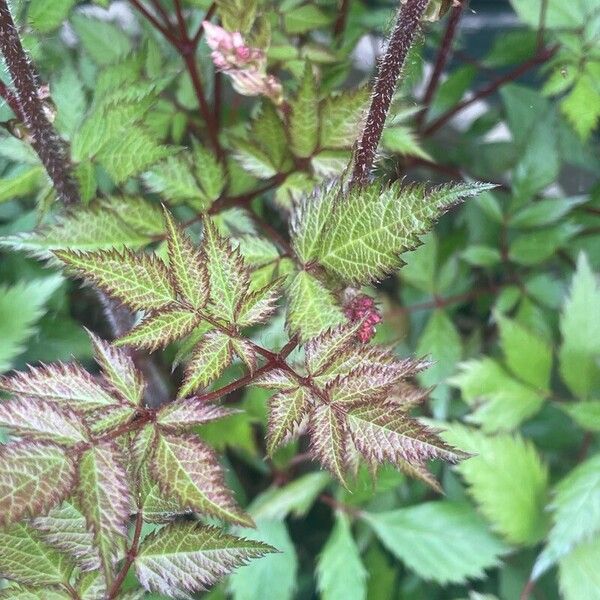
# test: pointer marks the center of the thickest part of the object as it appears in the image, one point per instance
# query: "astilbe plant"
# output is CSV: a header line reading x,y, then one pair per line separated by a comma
x,y
91,457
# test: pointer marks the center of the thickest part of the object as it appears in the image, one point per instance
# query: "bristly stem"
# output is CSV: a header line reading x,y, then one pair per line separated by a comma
x,y
45,141
129,558
407,25
441,60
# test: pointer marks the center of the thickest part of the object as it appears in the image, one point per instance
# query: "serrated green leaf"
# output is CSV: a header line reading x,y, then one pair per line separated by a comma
x,y
581,106
575,516
578,572
103,41
105,501
500,402
330,440
29,560
173,179
295,498
209,172
585,414
34,477
443,541
268,133
186,557
210,358
341,118
304,18
23,184
160,329
186,263
17,326
273,576
311,307
528,356
119,371
441,342
130,154
69,97
18,592
304,115
580,328
340,571
227,274
507,479
360,236
46,16
95,228
186,469
287,411
139,280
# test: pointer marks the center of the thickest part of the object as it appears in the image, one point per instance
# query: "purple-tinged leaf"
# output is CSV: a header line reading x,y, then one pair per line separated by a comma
x,y
184,558
258,306
210,358
369,382
140,281
39,420
228,276
26,558
329,346
185,414
65,529
329,439
105,500
157,330
288,412
155,505
245,351
382,433
119,370
187,265
34,477
67,384
187,469
276,379
106,419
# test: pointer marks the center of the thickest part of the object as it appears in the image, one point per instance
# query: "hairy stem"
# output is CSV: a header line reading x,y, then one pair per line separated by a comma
x,y
129,558
407,25
186,47
441,60
44,139
539,58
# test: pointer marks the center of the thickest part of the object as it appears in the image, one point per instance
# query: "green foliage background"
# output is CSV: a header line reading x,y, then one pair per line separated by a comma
x,y
503,294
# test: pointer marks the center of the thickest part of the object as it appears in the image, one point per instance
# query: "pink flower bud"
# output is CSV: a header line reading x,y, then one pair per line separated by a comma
x,y
360,307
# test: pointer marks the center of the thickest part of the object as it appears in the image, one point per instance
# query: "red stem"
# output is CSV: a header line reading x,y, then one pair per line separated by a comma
x,y
340,22
407,25
44,139
186,47
130,557
442,60
207,17
539,58
164,29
